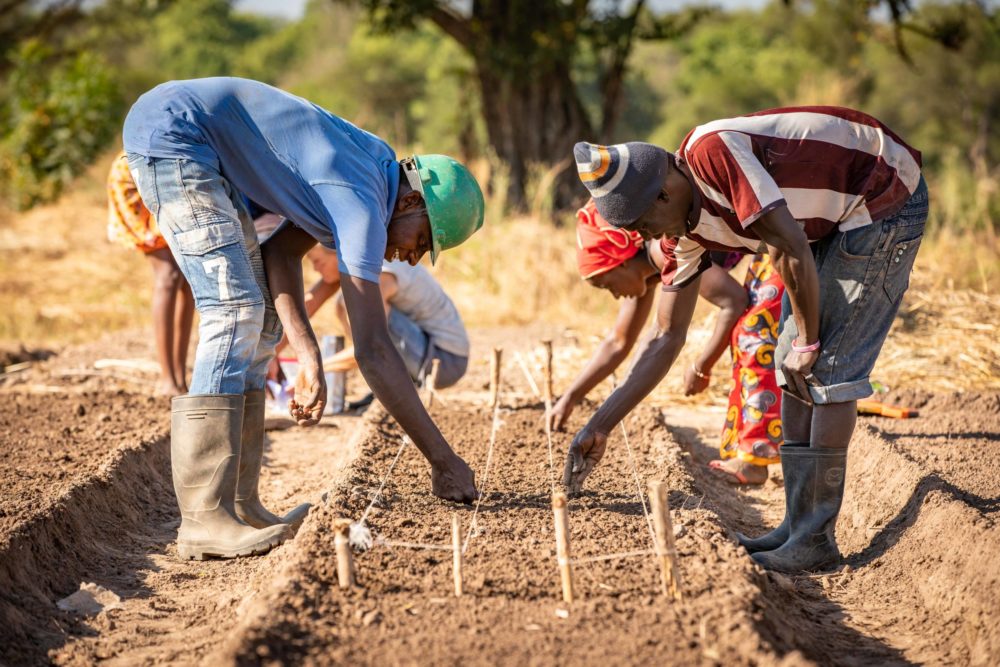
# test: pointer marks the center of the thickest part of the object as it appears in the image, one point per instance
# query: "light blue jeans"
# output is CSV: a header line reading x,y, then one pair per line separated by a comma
x,y
418,351
863,274
211,235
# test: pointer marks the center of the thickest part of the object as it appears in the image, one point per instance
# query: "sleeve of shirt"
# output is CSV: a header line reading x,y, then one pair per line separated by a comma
x,y
683,261
730,174
359,229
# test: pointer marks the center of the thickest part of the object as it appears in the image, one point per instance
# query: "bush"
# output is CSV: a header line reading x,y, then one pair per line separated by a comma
x,y
57,114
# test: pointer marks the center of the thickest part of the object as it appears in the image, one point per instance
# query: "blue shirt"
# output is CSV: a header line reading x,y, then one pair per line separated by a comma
x,y
332,179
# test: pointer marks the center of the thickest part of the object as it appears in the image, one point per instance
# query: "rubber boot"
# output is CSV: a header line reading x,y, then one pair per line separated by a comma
x,y
813,505
776,537
204,456
248,505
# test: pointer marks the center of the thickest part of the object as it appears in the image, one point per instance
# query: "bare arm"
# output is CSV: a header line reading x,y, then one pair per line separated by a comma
x,y
386,374
613,350
722,291
282,254
321,292
790,253
673,319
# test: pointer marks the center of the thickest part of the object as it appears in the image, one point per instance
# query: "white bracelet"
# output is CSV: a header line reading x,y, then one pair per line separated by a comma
x,y
703,376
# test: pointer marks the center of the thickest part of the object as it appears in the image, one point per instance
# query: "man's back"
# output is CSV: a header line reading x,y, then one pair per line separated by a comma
x,y
285,153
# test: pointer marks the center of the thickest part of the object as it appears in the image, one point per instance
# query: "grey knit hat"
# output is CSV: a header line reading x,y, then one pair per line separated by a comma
x,y
623,179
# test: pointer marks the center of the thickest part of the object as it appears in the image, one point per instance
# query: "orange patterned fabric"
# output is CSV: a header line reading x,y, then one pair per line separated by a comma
x,y
753,422
130,223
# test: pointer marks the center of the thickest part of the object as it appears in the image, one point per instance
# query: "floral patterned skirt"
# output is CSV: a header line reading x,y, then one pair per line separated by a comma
x,y
752,432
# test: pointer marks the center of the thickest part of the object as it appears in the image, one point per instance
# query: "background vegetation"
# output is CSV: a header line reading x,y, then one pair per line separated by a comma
x,y
69,71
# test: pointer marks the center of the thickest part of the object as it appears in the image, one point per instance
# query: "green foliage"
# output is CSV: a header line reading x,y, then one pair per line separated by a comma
x,y
55,120
197,38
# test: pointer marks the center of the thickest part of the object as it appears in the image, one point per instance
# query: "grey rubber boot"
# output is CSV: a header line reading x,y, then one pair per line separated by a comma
x,y
779,535
248,505
204,456
813,505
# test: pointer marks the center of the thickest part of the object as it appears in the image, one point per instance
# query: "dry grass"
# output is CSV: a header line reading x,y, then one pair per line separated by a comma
x,y
61,282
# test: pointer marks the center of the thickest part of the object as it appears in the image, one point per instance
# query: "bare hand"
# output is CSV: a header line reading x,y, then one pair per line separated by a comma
x,y
560,412
584,454
797,369
694,384
307,406
455,482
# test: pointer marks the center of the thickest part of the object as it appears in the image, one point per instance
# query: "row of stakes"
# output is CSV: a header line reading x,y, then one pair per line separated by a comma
x,y
664,548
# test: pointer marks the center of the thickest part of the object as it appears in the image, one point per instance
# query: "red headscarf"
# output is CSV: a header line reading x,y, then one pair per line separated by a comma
x,y
599,246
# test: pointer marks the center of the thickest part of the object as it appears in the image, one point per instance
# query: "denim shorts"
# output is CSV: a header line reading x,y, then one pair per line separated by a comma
x,y
863,274
418,352
211,235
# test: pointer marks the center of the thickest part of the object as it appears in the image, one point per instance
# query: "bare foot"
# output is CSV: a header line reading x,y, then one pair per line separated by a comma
x,y
740,472
168,388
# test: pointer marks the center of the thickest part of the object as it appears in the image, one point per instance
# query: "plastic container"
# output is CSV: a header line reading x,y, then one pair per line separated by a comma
x,y
336,382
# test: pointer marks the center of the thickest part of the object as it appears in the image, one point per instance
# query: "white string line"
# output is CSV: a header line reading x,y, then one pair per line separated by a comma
x,y
638,484
486,472
617,556
527,374
412,545
385,479
548,437
548,416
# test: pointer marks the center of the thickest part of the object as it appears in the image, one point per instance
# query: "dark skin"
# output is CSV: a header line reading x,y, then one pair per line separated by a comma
x,y
634,282
673,214
409,237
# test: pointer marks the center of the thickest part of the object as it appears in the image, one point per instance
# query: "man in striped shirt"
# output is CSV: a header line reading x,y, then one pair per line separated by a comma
x,y
838,201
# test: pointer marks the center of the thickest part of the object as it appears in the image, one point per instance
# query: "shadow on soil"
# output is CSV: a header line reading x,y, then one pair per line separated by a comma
x,y
104,531
795,613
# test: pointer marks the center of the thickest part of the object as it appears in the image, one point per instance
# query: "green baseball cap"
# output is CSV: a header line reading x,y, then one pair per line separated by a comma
x,y
454,200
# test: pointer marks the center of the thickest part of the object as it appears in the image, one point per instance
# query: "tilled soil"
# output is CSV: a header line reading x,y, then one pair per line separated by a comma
x,y
86,496
404,613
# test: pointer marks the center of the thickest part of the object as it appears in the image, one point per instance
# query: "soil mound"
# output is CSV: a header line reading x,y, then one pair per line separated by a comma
x,y
512,612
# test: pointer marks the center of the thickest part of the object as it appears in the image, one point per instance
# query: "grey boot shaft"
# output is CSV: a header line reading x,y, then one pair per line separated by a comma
x,y
779,535
204,457
814,501
248,505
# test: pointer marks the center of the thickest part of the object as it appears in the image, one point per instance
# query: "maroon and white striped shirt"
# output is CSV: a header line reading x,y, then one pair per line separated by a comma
x,y
834,168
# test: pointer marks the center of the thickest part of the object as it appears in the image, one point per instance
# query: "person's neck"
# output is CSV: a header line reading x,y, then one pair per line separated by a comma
x,y
694,212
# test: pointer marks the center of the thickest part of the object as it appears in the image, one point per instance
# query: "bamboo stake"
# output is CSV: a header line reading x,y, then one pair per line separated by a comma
x,y
495,375
561,514
547,343
432,382
456,547
664,539
345,557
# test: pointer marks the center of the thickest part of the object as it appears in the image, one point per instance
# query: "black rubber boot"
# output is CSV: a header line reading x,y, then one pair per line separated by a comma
x,y
779,535
813,505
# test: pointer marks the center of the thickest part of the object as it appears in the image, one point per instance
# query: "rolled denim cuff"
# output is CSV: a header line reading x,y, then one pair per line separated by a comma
x,y
834,393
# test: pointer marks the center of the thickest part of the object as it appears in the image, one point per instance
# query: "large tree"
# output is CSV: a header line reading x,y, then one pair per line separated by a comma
x,y
526,53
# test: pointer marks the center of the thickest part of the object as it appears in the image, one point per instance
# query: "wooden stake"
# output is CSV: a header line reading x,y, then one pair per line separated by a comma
x,y
345,557
456,548
495,376
432,381
561,514
665,550
549,395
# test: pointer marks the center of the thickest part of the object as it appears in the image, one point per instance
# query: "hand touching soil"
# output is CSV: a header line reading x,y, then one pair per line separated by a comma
x,y
585,453
455,482
560,412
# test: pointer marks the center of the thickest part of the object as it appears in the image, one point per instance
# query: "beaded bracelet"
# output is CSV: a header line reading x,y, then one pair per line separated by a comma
x,y
695,370
801,349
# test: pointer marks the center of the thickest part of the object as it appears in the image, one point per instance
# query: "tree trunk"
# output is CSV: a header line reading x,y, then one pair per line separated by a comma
x,y
532,124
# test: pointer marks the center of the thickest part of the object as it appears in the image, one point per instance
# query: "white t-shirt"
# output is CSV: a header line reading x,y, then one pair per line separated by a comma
x,y
422,299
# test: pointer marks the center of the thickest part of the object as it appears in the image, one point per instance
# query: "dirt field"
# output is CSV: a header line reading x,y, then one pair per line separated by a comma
x,y
86,497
